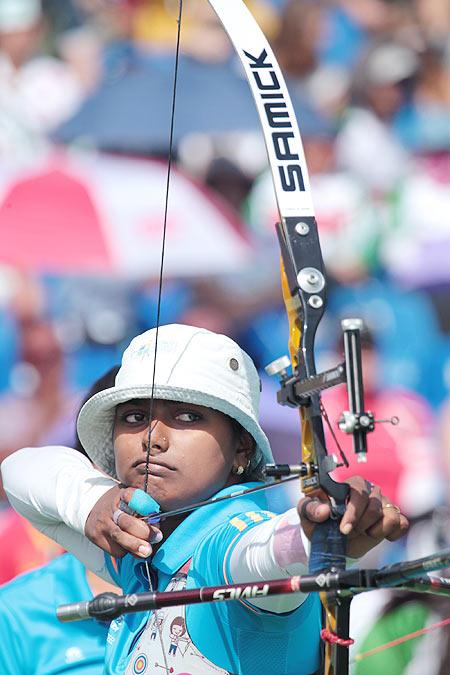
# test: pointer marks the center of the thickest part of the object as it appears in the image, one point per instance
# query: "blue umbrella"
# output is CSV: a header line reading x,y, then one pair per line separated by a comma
x,y
132,113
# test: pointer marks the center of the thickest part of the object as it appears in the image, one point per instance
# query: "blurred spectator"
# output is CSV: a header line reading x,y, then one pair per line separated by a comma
x,y
414,254
111,24
383,79
428,128
38,405
369,142
319,43
378,18
31,548
433,17
37,92
39,392
347,27
298,36
301,32
81,50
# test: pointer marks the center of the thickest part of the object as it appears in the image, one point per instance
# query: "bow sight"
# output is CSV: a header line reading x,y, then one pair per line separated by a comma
x,y
296,390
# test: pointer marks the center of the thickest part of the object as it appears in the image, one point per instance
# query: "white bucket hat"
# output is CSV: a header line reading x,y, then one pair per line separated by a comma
x,y
193,365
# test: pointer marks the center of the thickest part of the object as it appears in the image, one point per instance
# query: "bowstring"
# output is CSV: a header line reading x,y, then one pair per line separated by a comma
x,y
333,435
160,286
164,235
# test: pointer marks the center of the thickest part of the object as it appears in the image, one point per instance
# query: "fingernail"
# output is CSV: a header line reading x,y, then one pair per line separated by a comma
x,y
156,537
144,550
348,527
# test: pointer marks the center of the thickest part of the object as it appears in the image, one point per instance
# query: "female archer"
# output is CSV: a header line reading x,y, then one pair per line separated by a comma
x,y
183,426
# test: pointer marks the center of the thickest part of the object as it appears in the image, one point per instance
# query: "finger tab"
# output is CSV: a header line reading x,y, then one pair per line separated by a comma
x,y
142,503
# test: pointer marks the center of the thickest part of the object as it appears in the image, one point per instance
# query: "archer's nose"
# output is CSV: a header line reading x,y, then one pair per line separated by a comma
x,y
157,437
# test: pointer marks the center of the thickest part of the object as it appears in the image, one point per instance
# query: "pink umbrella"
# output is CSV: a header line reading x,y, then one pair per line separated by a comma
x,y
97,214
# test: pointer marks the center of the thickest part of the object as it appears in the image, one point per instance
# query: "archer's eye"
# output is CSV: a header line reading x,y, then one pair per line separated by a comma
x,y
188,417
134,417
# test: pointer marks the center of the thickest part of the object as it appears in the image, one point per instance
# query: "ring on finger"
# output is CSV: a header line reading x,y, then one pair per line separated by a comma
x,y
303,511
123,506
116,515
391,506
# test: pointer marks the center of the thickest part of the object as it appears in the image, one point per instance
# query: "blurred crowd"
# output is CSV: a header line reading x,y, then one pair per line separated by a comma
x,y
94,79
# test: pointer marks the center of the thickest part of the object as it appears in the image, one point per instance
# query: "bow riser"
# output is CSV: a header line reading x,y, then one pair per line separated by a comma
x,y
304,278
304,270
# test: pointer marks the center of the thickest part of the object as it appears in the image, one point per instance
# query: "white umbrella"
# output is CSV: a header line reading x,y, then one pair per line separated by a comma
x,y
88,213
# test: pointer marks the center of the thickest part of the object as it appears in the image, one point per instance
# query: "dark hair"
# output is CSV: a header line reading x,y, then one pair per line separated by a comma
x,y
255,469
106,381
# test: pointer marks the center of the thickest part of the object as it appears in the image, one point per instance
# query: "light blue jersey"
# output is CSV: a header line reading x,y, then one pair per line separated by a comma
x,y
33,641
240,639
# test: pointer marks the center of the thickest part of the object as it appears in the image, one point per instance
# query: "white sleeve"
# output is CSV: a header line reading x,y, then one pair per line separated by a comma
x,y
275,549
55,488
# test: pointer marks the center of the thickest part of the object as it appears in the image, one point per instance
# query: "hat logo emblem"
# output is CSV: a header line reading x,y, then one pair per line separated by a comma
x,y
234,364
144,351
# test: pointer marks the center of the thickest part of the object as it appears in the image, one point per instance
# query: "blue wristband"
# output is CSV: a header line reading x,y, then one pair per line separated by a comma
x,y
142,503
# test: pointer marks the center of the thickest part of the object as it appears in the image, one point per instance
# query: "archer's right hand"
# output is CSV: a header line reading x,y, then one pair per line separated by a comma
x,y
117,532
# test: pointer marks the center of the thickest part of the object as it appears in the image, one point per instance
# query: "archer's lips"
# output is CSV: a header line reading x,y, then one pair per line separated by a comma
x,y
154,468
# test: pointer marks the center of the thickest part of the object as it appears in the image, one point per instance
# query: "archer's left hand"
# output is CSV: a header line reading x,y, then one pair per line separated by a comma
x,y
369,517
